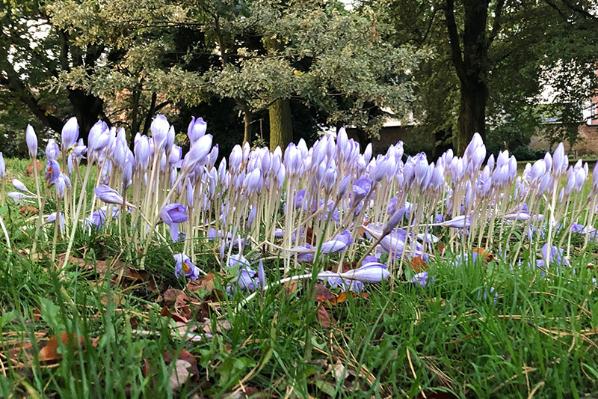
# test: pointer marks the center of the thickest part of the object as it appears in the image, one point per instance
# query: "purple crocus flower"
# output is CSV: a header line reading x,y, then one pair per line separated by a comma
x,y
198,152
184,267
172,215
420,279
2,167
557,256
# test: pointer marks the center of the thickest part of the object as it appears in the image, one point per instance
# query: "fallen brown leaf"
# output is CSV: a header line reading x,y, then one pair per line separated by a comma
x,y
323,294
28,210
29,169
180,374
205,283
418,264
323,316
49,353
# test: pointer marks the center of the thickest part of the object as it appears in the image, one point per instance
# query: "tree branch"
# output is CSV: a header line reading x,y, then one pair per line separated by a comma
x,y
22,92
496,24
453,37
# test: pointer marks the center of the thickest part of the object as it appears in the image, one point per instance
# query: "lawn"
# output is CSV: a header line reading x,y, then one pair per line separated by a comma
x,y
114,321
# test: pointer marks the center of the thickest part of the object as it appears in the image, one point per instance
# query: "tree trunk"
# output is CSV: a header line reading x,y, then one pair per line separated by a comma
x,y
469,54
88,109
281,124
472,115
246,126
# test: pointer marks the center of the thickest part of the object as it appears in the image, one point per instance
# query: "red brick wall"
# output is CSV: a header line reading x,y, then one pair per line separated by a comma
x,y
586,145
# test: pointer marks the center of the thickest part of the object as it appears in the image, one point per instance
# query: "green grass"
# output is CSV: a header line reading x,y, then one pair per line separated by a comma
x,y
537,338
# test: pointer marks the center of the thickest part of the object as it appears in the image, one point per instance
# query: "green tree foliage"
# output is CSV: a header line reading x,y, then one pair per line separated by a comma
x,y
263,55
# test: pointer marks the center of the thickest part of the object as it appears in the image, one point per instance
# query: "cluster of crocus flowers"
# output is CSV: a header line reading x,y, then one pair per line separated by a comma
x,y
318,205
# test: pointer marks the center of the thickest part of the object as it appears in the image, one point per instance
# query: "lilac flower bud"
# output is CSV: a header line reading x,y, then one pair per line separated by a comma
x,y
332,246
172,215
236,157
538,169
169,139
17,196
369,273
198,152
99,136
60,184
343,186
109,195
31,139
559,160
395,218
19,185
548,161
52,150
367,153
281,175
142,151
491,161
160,128
261,275
2,167
253,181
237,260
595,177
70,133
197,128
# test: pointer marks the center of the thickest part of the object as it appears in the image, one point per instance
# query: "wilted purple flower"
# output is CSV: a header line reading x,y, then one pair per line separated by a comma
x,y
420,279
52,171
184,267
172,215
338,243
70,133
31,139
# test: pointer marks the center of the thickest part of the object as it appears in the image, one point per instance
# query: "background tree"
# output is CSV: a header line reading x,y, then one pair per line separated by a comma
x,y
492,61
263,55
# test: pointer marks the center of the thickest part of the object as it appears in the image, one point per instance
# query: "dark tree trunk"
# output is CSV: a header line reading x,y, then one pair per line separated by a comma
x,y
281,123
472,115
469,54
88,109
246,126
